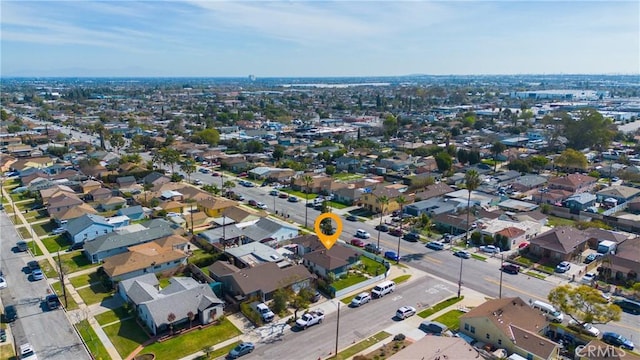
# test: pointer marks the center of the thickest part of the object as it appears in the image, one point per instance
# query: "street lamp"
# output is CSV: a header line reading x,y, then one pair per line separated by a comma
x,y
460,278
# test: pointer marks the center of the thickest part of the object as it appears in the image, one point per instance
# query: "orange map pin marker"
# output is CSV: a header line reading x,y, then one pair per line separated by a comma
x,y
328,240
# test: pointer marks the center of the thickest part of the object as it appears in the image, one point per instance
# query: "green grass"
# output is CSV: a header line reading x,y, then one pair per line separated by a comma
x,y
223,350
6,352
400,279
439,306
25,205
347,176
55,243
84,279
24,232
372,267
535,275
352,279
72,262
337,205
44,228
558,221
479,257
164,282
126,336
451,319
95,293
71,304
524,261
97,349
49,271
37,251
362,345
193,341
299,194
35,215
10,183
111,316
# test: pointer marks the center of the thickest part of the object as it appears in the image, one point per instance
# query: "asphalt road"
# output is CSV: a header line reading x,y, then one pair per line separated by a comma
x,y
49,332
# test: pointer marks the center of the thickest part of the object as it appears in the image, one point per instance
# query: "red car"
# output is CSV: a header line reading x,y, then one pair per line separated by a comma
x,y
395,232
215,174
243,174
357,242
283,195
253,203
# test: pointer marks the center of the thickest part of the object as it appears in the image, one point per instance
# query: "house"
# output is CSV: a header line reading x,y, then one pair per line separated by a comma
x,y
580,201
88,227
559,244
151,257
575,183
337,260
235,163
118,241
510,324
126,182
454,224
346,163
528,182
434,206
74,212
46,194
477,198
369,200
155,179
214,206
623,266
136,296
270,230
253,254
621,193
260,281
551,196
442,347
432,191
172,206
243,216
316,185
63,202
112,203
90,185
517,231
99,194
32,162
184,297
347,195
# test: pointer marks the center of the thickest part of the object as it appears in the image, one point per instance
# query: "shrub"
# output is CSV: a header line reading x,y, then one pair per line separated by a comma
x,y
251,313
399,337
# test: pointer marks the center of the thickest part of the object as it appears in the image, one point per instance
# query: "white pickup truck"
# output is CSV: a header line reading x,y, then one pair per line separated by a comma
x,y
311,318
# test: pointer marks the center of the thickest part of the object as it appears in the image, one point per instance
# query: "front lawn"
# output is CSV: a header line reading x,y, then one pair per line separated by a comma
x,y
439,306
558,221
96,347
451,319
117,314
126,336
193,341
73,262
22,206
347,176
85,279
95,293
44,228
362,345
299,194
55,243
223,350
49,271
400,279
351,279
371,266
337,205
71,304
24,233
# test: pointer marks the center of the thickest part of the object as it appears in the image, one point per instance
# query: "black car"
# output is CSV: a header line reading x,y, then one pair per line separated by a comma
x,y
382,227
413,237
10,313
373,248
33,265
53,302
352,218
510,268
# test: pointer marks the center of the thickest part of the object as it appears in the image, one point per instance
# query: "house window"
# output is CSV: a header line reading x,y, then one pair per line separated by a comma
x,y
157,267
529,356
473,330
177,262
466,326
499,341
488,336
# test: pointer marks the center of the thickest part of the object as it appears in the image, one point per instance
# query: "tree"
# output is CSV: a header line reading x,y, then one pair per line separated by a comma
x,y
280,299
170,156
390,125
462,156
443,161
102,133
591,130
117,141
584,304
301,300
474,157
227,185
170,319
146,187
384,202
188,167
572,159
472,181
278,152
538,162
496,149
191,316
330,170
208,136
308,181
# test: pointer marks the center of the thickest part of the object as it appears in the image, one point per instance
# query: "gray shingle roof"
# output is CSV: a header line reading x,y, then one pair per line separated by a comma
x,y
78,224
131,210
114,240
263,229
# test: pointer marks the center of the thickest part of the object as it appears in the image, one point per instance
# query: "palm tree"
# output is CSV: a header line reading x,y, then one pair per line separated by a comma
x,y
472,181
191,316
308,180
497,148
189,167
384,202
227,185
401,201
146,187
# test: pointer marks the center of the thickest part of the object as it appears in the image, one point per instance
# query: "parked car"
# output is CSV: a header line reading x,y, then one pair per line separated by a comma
x,y
510,268
395,232
3,282
10,313
616,339
266,313
405,312
59,230
382,228
292,199
591,258
357,242
447,237
586,328
216,174
27,352
491,249
361,299
391,255
362,234
261,205
412,237
283,195
433,327
253,202
240,350
435,245
588,278
563,267
37,275
53,302
21,246
462,254
33,265
630,306
373,248
352,218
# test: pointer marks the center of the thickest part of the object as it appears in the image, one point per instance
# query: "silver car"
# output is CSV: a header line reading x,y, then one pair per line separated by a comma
x,y
361,299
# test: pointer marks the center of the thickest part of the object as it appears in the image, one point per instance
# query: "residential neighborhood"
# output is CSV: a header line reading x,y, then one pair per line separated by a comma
x,y
179,219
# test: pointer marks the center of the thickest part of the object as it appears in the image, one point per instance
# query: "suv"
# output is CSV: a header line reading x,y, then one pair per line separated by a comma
x,y
27,353
52,301
10,313
413,237
22,246
563,267
405,312
266,313
362,234
435,245
361,299
510,268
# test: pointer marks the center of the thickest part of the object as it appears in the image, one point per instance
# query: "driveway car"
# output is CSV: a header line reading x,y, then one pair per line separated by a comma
x,y
586,328
447,238
405,312
3,283
59,230
362,234
22,246
373,248
616,339
240,350
10,313
382,228
563,267
391,255
433,327
462,254
395,232
588,278
361,299
352,218
412,237
591,258
37,275
491,249
357,242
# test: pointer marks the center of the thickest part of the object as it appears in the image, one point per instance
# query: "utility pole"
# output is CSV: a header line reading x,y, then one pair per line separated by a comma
x,y
460,278
501,261
64,289
337,330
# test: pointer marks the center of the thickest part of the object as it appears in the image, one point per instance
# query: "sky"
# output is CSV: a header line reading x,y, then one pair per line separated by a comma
x,y
316,38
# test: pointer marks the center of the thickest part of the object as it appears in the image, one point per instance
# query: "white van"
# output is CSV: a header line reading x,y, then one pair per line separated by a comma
x,y
549,311
383,289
